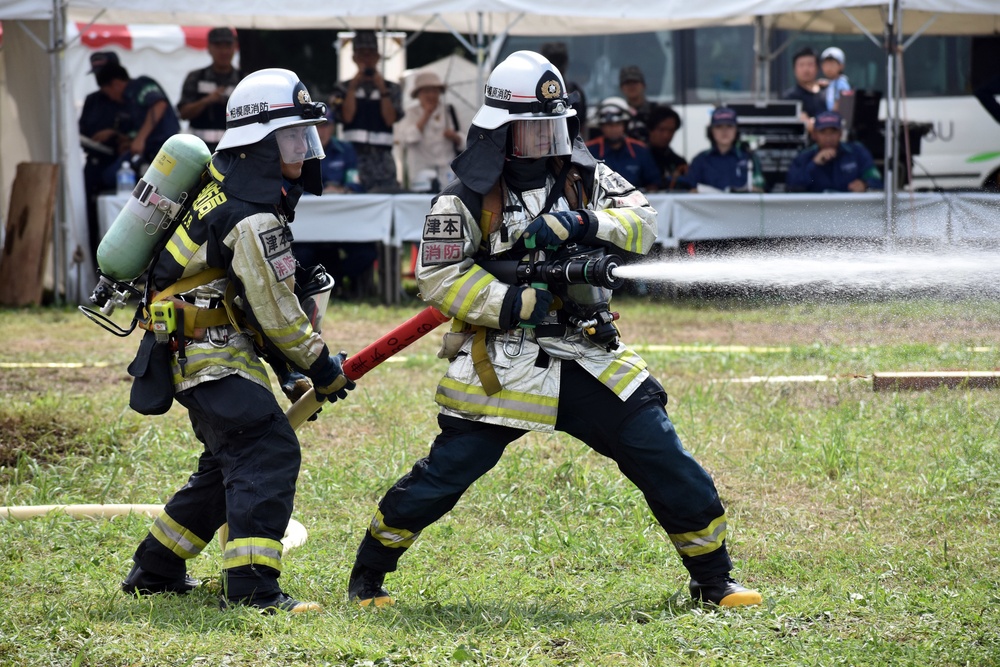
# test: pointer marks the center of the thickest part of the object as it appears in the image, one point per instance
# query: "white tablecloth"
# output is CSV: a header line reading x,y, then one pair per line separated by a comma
x,y
951,216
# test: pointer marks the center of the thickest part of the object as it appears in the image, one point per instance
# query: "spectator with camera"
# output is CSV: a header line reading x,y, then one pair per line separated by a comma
x,y
370,107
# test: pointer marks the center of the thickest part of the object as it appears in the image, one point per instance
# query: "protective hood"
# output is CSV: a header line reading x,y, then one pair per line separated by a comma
x,y
479,166
253,173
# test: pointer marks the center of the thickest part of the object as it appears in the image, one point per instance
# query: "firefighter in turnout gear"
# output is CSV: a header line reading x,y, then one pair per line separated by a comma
x,y
524,357
228,269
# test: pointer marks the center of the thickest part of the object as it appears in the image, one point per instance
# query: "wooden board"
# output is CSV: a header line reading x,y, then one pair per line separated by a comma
x,y
934,379
28,234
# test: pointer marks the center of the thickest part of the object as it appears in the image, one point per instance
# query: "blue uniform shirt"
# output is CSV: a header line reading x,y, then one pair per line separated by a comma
x,y
853,162
725,171
142,93
632,160
340,166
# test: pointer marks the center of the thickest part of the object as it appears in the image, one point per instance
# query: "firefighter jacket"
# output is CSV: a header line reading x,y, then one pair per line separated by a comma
x,y
238,222
525,361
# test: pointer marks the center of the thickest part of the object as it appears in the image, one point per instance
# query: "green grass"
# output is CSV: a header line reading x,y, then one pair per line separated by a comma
x,y
867,520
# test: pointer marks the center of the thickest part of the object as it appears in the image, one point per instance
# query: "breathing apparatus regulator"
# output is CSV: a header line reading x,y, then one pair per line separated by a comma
x,y
583,276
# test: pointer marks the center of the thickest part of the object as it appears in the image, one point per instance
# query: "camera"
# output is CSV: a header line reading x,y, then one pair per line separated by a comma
x,y
369,71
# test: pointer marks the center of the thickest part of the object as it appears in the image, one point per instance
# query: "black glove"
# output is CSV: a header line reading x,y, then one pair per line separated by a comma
x,y
331,383
553,229
531,305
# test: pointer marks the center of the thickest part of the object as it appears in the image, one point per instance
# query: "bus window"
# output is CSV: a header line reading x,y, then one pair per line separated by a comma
x,y
718,64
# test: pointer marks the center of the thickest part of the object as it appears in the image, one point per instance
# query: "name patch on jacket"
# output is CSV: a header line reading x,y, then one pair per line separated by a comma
x,y
442,239
277,244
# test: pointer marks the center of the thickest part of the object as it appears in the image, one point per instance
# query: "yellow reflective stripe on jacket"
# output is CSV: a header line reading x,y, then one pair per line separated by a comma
x,y
176,537
701,541
199,358
622,371
632,224
181,247
291,336
252,551
461,295
394,538
473,399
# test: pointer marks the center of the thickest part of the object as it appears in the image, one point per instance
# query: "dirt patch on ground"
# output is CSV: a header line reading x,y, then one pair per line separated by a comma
x,y
46,441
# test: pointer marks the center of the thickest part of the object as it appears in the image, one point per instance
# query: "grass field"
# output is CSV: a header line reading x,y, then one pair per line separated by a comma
x,y
869,521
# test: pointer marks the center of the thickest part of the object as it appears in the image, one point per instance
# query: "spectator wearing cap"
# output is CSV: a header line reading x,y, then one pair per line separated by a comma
x,y
632,83
557,54
726,166
627,156
430,135
664,122
153,120
831,165
206,91
371,106
807,90
104,127
835,81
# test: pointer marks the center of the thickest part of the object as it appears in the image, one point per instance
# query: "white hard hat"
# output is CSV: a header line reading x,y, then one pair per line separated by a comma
x,y
614,110
525,86
265,101
833,52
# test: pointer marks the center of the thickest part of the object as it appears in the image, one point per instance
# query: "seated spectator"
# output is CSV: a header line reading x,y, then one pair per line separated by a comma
x,y
726,166
632,83
806,89
339,168
831,165
627,156
663,124
834,82
347,263
430,135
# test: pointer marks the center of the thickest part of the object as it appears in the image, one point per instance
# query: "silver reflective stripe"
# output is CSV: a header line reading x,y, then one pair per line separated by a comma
x,y
367,137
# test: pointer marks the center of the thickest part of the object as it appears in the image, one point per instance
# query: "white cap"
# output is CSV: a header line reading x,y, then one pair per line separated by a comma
x,y
833,52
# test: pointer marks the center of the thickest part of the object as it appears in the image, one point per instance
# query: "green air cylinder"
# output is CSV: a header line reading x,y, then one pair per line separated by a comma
x,y
127,249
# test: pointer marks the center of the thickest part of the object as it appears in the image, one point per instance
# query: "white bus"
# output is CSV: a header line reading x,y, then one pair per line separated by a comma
x,y
693,70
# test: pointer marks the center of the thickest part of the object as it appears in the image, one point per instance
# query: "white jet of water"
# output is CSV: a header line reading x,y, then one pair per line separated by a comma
x,y
950,270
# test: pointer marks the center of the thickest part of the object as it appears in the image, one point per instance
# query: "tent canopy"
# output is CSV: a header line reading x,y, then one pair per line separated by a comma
x,y
529,17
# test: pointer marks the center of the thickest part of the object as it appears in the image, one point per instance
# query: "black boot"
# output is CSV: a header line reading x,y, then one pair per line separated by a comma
x,y
723,591
273,604
365,587
140,582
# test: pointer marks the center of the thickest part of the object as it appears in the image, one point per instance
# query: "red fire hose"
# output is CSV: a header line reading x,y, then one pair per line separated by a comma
x,y
371,356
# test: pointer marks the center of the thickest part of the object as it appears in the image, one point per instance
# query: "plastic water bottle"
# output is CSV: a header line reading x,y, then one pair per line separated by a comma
x,y
125,178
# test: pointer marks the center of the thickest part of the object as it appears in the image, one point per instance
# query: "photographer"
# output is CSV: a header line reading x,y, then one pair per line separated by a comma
x,y
370,107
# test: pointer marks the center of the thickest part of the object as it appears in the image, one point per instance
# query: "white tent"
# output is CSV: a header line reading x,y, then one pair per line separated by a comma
x,y
33,100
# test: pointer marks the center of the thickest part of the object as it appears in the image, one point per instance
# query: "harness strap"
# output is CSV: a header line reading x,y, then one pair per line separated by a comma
x,y
481,362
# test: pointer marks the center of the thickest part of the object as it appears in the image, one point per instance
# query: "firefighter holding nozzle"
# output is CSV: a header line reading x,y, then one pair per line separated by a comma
x,y
227,275
535,348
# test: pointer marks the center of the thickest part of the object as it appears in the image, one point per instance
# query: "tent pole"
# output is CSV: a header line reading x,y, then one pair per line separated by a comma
x,y
60,259
890,126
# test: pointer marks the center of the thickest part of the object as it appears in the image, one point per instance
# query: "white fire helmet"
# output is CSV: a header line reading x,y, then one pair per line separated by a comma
x,y
274,100
528,92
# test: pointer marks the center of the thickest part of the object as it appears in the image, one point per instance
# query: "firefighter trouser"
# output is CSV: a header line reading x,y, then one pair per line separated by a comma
x,y
637,434
246,477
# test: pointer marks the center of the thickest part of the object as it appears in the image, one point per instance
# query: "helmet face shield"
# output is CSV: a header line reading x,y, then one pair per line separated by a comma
x,y
299,143
537,138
